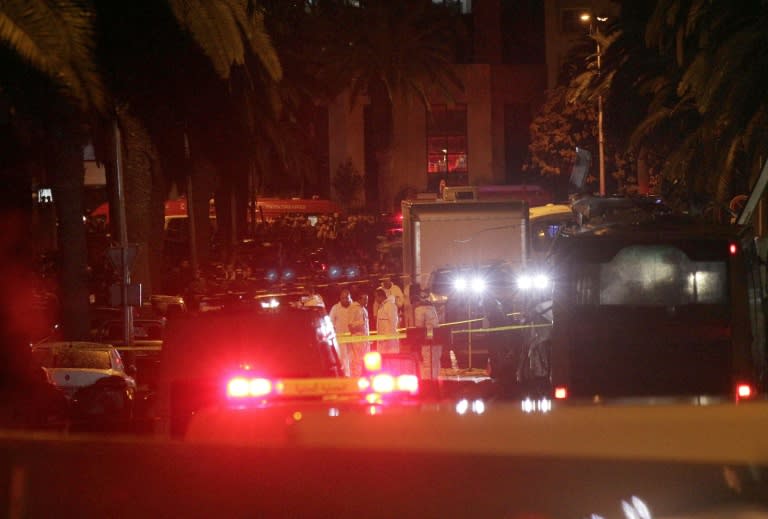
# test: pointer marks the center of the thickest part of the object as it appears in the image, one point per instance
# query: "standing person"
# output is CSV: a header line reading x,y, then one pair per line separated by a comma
x,y
359,324
411,293
340,316
391,290
425,316
386,322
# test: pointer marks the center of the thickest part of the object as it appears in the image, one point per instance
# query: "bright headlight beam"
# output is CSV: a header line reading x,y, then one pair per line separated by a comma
x,y
478,285
540,281
524,282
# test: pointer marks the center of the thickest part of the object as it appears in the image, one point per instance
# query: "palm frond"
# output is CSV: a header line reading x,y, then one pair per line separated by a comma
x,y
223,28
56,38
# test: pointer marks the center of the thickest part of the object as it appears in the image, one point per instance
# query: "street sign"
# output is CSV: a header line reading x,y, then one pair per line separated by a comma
x,y
116,255
133,294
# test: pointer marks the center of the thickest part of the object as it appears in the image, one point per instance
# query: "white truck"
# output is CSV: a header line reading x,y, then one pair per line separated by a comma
x,y
441,233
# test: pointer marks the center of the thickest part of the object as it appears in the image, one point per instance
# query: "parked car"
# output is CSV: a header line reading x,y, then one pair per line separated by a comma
x,y
143,354
91,376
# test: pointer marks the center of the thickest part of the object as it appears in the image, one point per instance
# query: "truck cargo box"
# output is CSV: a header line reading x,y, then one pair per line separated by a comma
x,y
438,233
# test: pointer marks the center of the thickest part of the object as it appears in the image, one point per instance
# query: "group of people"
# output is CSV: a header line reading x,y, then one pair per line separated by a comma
x,y
392,310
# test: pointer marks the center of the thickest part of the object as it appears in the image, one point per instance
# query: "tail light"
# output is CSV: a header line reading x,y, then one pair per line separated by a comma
x,y
561,392
744,391
242,387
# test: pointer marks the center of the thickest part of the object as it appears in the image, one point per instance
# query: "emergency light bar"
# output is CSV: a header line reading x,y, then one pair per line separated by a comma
x,y
377,382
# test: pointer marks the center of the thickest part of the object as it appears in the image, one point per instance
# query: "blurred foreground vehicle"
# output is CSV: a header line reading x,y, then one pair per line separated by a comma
x,y
92,376
258,355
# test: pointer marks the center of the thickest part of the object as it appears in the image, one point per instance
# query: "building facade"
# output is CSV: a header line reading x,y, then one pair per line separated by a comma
x,y
481,136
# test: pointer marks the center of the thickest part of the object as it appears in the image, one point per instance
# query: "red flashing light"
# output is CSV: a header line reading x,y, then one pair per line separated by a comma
x,y
241,387
561,392
383,383
744,391
409,383
733,249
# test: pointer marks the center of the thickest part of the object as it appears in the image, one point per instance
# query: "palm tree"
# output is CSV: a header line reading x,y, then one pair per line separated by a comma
x,y
699,79
57,39
51,83
204,43
385,49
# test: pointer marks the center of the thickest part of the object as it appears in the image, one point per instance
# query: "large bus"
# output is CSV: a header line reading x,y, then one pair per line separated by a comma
x,y
655,305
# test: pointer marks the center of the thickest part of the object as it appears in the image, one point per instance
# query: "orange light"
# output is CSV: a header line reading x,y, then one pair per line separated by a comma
x,y
363,384
733,249
408,383
743,391
561,393
372,361
383,383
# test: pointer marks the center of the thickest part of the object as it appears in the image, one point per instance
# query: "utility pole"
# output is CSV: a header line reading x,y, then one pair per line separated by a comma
x,y
190,212
123,231
600,134
594,32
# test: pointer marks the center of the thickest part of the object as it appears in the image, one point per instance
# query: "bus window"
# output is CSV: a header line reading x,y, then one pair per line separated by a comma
x,y
651,275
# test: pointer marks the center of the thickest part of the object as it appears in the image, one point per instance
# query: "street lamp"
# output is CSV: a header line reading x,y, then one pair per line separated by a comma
x,y
595,29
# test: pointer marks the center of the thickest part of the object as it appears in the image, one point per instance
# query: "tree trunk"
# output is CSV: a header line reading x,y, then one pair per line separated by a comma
x,y
160,191
643,173
68,181
140,159
382,134
18,324
203,187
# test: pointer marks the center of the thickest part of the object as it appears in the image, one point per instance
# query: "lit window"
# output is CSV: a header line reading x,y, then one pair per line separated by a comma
x,y
447,145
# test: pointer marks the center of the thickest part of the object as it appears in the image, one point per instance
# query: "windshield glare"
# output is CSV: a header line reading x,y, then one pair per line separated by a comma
x,y
657,275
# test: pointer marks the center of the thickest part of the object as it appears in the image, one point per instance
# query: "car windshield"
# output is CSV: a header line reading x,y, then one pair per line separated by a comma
x,y
73,358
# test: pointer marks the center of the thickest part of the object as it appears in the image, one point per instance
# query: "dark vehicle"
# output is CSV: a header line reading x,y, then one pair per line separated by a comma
x,y
207,359
658,308
143,355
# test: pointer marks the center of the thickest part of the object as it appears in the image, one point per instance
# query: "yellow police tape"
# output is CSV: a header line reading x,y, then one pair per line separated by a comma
x,y
347,338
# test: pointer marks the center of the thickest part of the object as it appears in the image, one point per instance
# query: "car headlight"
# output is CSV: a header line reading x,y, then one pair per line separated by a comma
x,y
527,282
